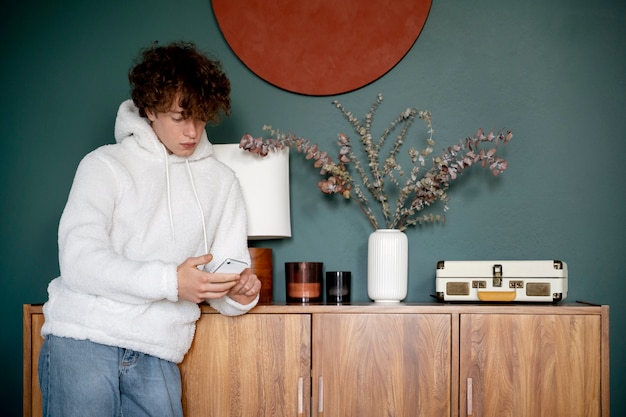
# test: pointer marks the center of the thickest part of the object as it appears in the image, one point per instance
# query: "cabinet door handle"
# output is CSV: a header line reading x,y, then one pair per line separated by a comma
x,y
320,402
300,397
469,398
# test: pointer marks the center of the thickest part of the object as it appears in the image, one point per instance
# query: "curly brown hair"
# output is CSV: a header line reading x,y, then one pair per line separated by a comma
x,y
162,73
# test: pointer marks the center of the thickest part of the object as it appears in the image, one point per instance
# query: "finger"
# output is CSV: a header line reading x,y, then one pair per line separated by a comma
x,y
244,284
221,286
200,260
250,285
248,277
212,295
220,277
217,290
256,288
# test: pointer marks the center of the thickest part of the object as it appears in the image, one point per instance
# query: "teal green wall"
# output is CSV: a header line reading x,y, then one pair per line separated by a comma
x,y
553,71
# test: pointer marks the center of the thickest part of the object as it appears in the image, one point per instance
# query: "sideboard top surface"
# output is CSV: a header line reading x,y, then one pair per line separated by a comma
x,y
414,308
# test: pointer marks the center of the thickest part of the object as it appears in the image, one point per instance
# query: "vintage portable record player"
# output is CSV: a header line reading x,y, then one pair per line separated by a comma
x,y
501,281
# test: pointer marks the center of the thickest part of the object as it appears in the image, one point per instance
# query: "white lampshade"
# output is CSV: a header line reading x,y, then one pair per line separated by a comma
x,y
265,186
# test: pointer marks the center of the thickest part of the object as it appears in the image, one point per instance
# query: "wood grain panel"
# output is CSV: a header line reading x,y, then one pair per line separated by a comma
x,y
33,320
256,361
531,365
382,364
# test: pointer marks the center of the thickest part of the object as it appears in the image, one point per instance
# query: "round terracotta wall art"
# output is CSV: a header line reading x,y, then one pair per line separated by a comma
x,y
320,47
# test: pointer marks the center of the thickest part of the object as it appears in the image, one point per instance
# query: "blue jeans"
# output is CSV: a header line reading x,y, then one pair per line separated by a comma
x,y
79,378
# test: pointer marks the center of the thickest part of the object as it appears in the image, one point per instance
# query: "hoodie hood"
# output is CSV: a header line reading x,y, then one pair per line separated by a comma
x,y
130,124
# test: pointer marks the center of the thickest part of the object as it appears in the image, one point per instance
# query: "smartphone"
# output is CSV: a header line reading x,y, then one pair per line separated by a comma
x,y
231,266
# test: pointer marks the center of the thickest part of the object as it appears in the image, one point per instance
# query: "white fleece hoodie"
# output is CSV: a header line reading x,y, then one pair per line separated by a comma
x,y
135,213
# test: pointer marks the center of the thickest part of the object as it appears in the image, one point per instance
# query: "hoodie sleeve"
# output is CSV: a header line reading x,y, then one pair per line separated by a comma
x,y
231,241
87,260
229,307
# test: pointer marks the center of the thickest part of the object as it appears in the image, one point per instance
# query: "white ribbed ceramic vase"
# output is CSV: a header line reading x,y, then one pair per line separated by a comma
x,y
387,265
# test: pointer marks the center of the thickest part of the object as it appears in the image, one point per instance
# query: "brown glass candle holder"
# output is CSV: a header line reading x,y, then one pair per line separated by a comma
x,y
304,282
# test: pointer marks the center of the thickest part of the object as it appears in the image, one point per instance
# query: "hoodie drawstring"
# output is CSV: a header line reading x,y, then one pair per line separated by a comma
x,y
195,193
169,194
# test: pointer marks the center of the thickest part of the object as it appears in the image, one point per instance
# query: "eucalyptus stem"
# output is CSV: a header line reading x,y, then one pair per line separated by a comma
x,y
418,192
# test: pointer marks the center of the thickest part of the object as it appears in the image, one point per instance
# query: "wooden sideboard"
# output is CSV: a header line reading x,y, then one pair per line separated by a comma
x,y
374,360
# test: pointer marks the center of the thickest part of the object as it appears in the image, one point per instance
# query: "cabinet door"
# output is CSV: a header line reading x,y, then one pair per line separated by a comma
x,y
33,321
251,365
530,365
381,365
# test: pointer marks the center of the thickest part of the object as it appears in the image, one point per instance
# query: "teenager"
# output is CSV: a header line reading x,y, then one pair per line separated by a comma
x,y
146,218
